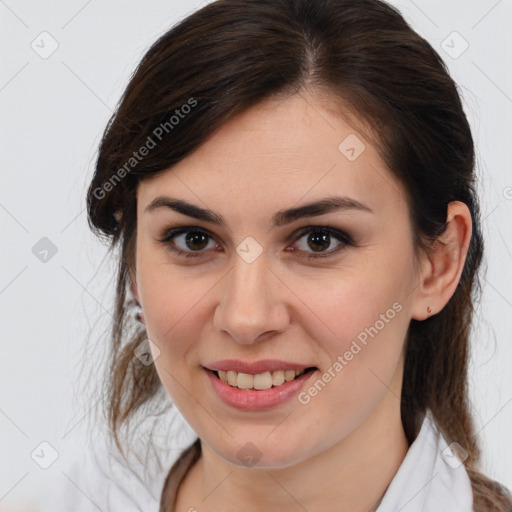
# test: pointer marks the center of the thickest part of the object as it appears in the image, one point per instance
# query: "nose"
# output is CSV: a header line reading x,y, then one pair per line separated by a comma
x,y
252,306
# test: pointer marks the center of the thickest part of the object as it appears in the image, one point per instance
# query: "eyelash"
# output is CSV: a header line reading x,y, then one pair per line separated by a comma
x,y
339,235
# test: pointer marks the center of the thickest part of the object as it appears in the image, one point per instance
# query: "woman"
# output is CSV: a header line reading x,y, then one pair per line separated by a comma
x,y
291,185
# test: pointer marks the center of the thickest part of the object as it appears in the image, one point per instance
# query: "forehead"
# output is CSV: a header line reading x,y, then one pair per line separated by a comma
x,y
277,153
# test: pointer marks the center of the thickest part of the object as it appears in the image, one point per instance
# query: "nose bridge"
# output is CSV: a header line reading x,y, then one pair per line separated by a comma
x,y
250,305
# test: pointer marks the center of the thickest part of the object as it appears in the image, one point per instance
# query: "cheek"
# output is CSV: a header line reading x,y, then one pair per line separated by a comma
x,y
172,299
354,304
359,322
174,316
362,365
171,308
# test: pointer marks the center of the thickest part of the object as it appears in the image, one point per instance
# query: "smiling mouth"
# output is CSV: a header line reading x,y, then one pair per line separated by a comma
x,y
259,381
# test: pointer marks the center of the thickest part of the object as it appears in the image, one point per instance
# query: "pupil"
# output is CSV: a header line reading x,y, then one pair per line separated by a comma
x,y
194,238
319,238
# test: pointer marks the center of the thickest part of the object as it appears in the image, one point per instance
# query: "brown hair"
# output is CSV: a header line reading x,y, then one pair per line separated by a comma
x,y
232,54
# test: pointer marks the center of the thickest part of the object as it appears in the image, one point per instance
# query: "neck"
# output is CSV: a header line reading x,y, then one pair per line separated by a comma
x,y
352,475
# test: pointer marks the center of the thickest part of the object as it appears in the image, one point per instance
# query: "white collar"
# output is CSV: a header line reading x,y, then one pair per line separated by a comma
x,y
424,482
430,479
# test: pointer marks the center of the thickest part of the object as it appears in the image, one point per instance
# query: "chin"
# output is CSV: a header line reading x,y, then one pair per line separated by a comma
x,y
263,454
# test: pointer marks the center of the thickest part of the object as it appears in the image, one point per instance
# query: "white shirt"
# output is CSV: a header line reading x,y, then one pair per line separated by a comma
x,y
430,479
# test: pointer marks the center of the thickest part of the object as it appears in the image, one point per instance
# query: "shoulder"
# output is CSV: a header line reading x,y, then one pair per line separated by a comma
x,y
99,480
431,477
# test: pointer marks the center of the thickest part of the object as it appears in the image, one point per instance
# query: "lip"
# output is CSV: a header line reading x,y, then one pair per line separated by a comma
x,y
262,366
257,400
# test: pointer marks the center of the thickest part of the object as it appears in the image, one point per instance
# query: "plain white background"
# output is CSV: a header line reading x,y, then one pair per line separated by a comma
x,y
53,111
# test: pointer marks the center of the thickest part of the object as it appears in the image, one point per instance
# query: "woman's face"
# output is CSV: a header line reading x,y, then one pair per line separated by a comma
x,y
268,284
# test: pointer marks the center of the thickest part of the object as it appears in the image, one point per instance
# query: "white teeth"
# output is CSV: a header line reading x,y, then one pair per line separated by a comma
x,y
277,378
259,381
231,376
245,381
262,380
289,375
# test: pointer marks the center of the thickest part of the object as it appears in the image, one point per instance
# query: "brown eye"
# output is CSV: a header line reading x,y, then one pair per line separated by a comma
x,y
195,240
320,241
187,241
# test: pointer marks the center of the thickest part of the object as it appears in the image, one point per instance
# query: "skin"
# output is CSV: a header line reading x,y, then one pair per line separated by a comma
x,y
341,450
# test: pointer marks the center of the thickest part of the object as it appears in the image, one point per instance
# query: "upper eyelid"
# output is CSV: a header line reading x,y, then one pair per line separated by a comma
x,y
296,232
336,232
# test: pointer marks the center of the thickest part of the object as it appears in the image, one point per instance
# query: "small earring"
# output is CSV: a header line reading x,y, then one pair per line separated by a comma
x,y
429,310
137,314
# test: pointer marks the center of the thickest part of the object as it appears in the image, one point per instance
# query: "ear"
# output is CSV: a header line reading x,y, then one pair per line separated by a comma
x,y
139,316
132,278
133,289
441,268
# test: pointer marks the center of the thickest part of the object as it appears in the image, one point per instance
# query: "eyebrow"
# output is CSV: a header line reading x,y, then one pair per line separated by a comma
x,y
282,217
